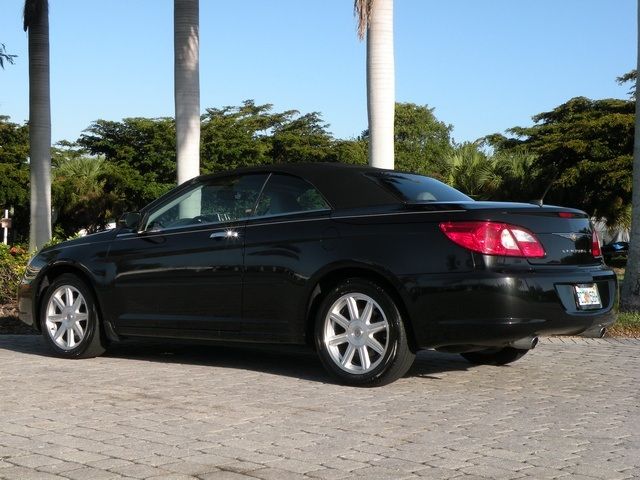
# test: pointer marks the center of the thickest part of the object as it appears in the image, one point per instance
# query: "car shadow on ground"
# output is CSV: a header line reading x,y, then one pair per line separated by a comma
x,y
292,361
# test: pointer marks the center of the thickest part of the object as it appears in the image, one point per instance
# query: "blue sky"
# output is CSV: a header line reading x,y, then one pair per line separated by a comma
x,y
485,65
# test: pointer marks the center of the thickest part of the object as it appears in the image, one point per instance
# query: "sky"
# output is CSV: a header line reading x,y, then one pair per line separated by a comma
x,y
483,65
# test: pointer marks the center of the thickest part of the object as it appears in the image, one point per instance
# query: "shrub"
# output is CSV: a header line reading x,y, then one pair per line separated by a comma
x,y
13,261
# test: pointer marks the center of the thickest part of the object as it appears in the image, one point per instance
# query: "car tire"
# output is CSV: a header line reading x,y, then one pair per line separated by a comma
x,y
69,319
360,335
492,356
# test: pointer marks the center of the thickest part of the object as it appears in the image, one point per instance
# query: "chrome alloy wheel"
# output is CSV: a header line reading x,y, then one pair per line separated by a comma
x,y
356,333
67,317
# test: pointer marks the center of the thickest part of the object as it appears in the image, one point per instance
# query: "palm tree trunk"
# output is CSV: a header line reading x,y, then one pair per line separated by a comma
x,y
187,87
39,127
630,300
381,84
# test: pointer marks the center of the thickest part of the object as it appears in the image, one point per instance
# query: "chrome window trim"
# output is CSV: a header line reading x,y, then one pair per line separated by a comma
x,y
226,225
295,220
297,212
218,226
395,213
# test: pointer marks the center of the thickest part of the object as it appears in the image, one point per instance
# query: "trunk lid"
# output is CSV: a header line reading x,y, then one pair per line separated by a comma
x,y
566,234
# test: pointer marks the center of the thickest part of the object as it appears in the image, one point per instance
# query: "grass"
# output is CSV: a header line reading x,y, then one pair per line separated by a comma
x,y
627,325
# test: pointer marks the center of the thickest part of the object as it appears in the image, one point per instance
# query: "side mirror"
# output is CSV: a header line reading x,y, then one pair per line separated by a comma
x,y
129,220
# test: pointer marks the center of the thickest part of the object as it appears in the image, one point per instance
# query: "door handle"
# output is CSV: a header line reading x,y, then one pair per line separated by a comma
x,y
225,234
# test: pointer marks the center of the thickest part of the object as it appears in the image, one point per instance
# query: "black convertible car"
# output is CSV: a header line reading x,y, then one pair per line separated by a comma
x,y
367,266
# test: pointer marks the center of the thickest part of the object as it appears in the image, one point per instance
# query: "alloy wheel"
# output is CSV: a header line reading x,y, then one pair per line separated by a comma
x,y
356,333
67,317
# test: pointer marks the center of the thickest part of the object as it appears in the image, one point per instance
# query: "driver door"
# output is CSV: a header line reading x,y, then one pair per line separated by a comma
x,y
180,276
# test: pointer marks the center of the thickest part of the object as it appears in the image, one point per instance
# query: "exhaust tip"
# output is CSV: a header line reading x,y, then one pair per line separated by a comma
x,y
595,332
526,343
534,342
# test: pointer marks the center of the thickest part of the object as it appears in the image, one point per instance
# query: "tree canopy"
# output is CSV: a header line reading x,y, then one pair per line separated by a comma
x,y
14,172
629,77
140,158
578,154
252,134
584,154
421,140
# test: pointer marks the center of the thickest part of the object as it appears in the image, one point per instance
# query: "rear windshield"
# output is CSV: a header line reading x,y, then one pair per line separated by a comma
x,y
417,189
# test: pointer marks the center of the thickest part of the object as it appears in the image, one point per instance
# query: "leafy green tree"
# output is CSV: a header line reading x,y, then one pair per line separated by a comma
x,y
583,149
14,174
421,140
252,134
140,158
14,142
302,139
5,57
629,77
235,137
352,151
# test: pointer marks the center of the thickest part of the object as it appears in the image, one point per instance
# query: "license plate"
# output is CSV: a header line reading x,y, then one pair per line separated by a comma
x,y
587,296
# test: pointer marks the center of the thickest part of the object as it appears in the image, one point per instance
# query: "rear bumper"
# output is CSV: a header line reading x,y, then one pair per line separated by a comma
x,y
494,308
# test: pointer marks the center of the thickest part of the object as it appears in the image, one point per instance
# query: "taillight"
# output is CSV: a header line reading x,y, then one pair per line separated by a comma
x,y
494,238
596,251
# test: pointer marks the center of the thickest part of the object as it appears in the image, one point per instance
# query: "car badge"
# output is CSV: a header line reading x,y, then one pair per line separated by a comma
x,y
571,236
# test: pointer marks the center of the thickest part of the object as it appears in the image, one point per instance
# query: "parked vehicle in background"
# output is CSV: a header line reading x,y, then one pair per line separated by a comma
x,y
367,266
615,250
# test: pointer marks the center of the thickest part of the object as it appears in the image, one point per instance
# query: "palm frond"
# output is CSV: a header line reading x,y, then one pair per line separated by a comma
x,y
32,11
362,11
5,56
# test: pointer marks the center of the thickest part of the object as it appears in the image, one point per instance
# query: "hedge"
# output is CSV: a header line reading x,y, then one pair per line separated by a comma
x,y
13,261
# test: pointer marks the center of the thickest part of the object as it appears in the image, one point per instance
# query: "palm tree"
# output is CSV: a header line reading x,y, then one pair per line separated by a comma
x,y
36,22
472,172
375,20
630,300
80,195
187,87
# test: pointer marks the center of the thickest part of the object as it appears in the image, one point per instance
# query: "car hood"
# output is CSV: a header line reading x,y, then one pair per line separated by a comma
x,y
87,239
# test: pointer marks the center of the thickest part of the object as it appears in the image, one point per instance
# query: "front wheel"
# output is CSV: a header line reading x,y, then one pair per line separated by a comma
x,y
495,356
69,319
360,335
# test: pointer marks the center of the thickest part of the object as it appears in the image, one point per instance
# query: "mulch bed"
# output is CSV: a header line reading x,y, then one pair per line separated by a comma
x,y
9,323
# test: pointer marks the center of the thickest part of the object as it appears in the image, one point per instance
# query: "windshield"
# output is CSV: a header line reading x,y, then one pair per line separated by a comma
x,y
417,188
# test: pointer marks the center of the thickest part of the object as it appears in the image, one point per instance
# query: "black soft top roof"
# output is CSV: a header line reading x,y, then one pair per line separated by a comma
x,y
344,186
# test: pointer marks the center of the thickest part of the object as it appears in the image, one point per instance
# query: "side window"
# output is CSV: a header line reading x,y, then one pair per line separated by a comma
x,y
220,200
288,194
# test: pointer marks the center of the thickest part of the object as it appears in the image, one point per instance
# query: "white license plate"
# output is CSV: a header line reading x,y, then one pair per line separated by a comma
x,y
587,296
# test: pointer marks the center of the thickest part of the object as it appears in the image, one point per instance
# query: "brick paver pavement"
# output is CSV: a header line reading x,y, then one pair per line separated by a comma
x,y
569,409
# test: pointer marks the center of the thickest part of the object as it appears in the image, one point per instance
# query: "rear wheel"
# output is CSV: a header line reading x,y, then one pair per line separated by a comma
x,y
360,335
69,319
494,356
